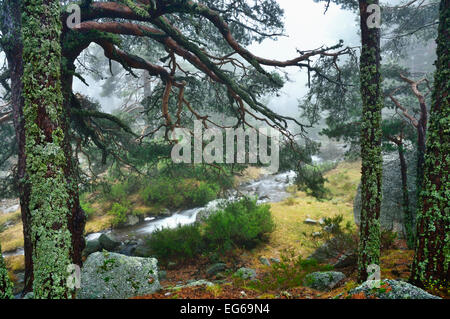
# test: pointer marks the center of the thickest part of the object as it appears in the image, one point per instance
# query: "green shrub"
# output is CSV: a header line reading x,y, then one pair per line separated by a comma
x,y
182,242
239,224
120,212
242,224
204,193
175,193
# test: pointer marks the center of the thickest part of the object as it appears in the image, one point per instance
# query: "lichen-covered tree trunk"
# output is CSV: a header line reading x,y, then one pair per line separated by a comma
x,y
46,160
430,267
405,194
6,291
11,11
369,245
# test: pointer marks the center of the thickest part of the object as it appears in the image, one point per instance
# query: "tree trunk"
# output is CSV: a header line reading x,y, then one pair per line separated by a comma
x,y
12,46
6,291
47,164
11,28
430,267
369,240
406,210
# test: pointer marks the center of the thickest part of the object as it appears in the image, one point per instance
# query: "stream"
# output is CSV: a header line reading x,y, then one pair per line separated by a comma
x,y
268,188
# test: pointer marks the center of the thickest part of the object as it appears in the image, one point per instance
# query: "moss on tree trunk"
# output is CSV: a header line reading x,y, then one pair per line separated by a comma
x,y
430,267
46,161
369,246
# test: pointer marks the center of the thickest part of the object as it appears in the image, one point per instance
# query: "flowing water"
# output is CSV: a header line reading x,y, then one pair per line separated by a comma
x,y
268,188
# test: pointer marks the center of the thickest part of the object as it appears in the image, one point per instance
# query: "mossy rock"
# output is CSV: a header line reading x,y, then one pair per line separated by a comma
x,y
324,280
114,276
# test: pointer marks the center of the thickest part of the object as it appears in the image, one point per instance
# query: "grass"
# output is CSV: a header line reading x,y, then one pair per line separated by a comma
x,y
290,214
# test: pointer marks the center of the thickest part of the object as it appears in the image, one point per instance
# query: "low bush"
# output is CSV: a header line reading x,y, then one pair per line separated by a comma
x,y
288,273
120,212
242,224
175,193
339,238
182,242
239,224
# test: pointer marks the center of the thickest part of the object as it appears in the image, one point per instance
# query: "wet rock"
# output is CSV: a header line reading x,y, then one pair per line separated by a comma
x,y
142,250
108,242
92,246
132,220
114,276
324,280
391,289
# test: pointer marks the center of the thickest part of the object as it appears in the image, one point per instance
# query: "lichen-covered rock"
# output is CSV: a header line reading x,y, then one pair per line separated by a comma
x,y
108,242
391,213
114,276
391,289
245,273
324,280
264,261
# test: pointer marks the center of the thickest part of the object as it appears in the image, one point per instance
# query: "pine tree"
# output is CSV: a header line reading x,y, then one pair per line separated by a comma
x,y
430,268
44,148
369,245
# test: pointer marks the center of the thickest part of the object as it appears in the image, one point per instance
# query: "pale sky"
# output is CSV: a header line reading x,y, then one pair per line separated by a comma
x,y
306,27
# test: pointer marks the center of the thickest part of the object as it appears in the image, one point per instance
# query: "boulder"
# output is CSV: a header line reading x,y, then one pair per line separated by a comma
x,y
210,209
245,273
142,250
346,260
216,268
324,280
391,213
92,246
108,275
108,242
132,220
391,289
264,261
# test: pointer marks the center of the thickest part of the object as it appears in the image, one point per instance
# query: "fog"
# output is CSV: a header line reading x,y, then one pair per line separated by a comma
x,y
306,27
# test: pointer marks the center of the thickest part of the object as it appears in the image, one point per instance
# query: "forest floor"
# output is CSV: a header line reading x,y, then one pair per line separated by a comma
x,y
292,234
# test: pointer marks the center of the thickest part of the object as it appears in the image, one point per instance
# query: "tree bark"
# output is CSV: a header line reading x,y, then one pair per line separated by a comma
x,y
430,267
12,46
54,227
406,208
369,240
